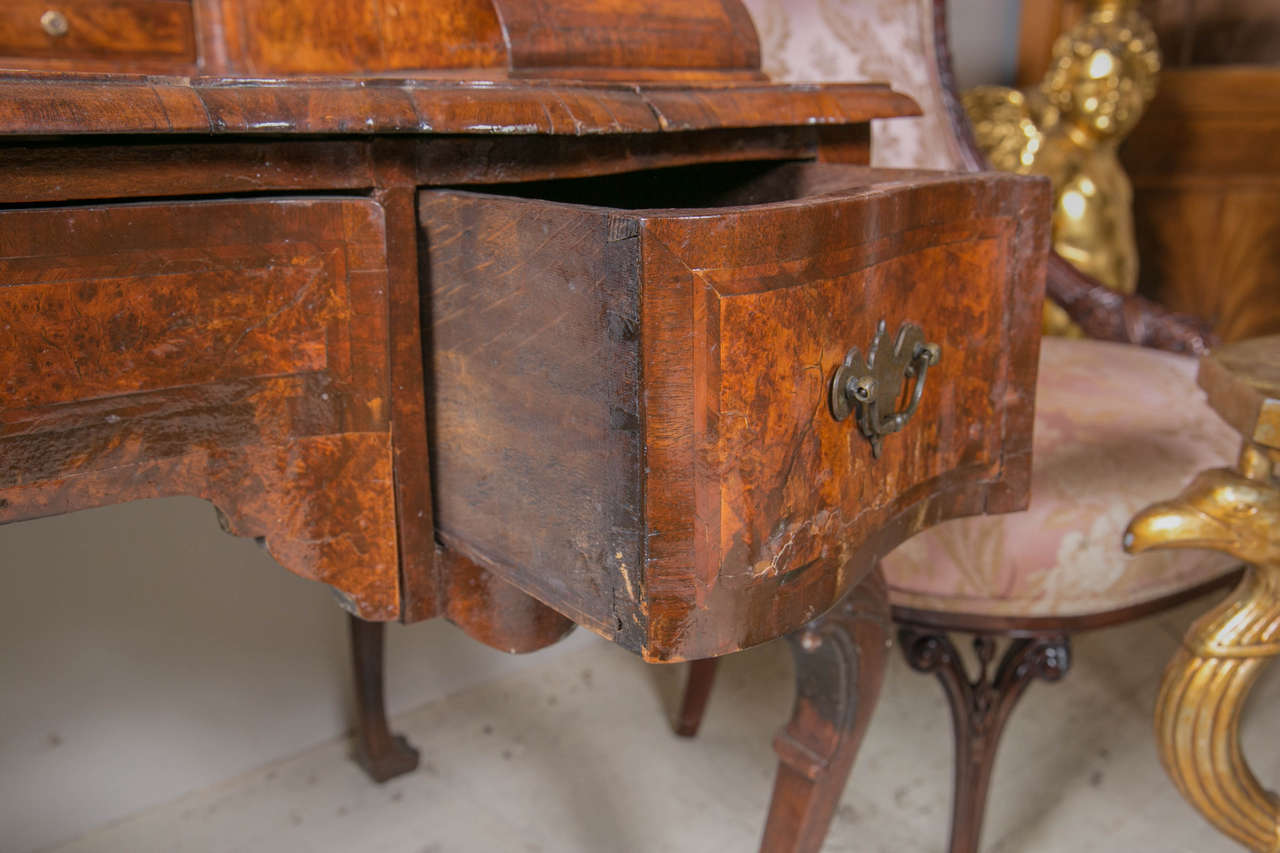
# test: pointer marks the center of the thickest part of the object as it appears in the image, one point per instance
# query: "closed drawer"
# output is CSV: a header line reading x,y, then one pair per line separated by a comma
x,y
631,409
98,32
229,350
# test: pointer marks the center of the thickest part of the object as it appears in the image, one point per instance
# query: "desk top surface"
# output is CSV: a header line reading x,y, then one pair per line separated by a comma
x,y
45,103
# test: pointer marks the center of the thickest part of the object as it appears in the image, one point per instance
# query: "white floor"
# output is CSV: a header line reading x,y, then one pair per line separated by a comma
x,y
576,755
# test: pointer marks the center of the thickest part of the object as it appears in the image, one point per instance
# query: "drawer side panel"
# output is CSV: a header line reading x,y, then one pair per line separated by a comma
x,y
534,423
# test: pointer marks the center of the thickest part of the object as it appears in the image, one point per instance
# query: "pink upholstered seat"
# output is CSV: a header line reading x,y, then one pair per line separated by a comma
x,y
1117,427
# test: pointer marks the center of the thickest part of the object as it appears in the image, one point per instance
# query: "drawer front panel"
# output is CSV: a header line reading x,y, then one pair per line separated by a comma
x,y
793,480
98,29
234,351
683,34
102,335
762,508
97,302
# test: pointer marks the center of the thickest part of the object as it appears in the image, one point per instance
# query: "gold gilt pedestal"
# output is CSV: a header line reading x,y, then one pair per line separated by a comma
x,y
1236,511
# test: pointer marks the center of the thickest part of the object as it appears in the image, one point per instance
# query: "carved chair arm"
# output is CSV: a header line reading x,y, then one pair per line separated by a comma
x,y
1107,315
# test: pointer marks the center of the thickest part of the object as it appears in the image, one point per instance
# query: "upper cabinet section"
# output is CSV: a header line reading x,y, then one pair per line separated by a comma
x,y
270,37
655,35
576,39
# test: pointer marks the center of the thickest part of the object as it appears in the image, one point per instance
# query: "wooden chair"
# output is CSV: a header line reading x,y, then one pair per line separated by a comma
x,y
1119,424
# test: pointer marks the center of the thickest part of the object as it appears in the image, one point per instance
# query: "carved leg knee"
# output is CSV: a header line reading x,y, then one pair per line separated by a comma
x,y
382,754
840,659
980,708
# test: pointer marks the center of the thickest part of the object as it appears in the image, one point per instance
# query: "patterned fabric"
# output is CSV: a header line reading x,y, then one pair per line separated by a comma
x,y
887,41
1117,427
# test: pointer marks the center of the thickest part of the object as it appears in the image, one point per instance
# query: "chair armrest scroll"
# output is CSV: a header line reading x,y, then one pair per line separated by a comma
x,y
1107,315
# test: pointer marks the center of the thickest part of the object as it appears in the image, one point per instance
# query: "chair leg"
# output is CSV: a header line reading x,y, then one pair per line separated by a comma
x,y
382,754
981,707
840,659
697,690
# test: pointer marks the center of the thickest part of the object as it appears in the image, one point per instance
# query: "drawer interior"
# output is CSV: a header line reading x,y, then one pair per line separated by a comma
x,y
711,186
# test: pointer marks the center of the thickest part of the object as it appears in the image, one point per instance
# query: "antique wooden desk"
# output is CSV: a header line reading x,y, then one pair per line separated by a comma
x,y
522,314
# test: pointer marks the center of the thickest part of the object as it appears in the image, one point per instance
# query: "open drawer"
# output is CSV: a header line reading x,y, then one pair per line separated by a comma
x,y
632,414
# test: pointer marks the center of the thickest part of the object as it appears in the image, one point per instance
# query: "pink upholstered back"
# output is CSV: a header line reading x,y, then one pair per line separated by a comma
x,y
890,41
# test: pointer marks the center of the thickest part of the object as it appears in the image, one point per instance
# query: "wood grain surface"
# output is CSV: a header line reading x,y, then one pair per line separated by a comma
x,y
496,613
581,38
1242,381
420,592
758,501
355,36
712,35
839,664
534,409
234,351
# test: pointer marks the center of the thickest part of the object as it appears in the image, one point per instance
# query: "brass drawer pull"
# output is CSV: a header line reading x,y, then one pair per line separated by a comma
x,y
54,23
864,384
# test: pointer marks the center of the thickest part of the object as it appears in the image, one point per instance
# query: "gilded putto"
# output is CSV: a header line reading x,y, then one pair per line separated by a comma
x,y
1102,75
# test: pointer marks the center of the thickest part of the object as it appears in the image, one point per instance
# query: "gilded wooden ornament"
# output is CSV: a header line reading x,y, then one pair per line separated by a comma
x,y
1069,128
1236,511
1198,710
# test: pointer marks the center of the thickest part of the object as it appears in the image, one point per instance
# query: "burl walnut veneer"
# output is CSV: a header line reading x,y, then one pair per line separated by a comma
x,y
524,314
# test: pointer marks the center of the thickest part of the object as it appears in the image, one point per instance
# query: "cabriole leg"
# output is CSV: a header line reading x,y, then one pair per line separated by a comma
x,y
382,754
839,658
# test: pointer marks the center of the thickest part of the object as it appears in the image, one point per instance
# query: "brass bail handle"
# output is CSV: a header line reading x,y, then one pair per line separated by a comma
x,y
862,385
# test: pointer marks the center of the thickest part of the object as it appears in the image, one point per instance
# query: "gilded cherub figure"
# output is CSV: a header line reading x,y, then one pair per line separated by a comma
x,y
1102,76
